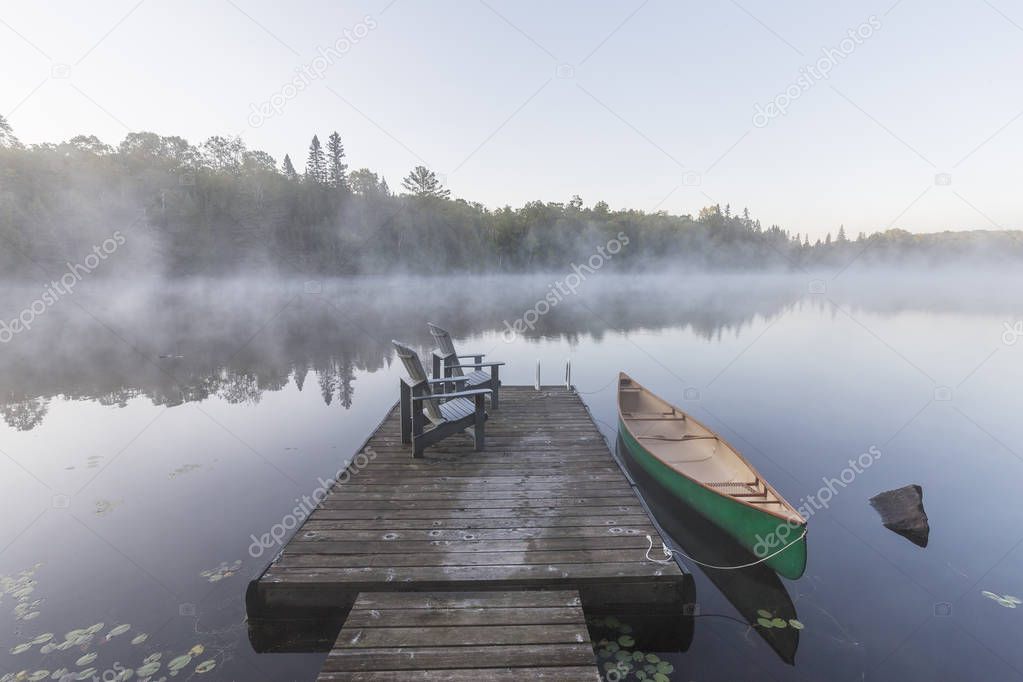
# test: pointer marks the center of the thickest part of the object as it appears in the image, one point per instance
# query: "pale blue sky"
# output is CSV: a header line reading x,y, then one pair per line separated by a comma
x,y
656,110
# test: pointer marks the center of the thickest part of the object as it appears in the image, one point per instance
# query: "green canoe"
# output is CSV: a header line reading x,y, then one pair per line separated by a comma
x,y
696,465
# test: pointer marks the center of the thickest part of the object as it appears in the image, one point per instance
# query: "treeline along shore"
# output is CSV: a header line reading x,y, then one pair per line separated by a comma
x,y
221,208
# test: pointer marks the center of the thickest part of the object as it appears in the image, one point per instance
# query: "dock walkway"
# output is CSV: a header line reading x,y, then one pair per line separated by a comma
x,y
509,636
543,507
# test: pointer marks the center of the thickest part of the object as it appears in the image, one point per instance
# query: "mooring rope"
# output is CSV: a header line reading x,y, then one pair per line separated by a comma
x,y
669,553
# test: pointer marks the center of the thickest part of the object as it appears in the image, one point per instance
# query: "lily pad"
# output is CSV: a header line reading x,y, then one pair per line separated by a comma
x,y
86,659
138,639
206,666
764,622
626,641
119,630
795,624
779,622
148,669
764,613
179,662
21,648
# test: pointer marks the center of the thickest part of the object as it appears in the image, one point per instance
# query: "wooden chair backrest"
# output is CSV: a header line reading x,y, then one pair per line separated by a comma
x,y
417,373
446,347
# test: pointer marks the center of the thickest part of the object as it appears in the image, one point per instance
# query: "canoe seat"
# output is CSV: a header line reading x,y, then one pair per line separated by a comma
x,y
744,488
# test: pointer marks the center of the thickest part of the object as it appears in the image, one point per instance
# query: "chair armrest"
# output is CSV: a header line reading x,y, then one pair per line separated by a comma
x,y
477,365
448,380
472,355
448,396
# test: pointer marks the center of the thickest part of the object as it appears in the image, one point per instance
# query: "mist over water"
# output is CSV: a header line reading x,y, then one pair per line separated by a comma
x,y
175,341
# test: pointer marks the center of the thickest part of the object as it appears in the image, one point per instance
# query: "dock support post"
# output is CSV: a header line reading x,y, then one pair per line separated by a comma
x,y
537,384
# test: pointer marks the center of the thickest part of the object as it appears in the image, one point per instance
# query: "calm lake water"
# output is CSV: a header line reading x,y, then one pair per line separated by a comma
x,y
151,430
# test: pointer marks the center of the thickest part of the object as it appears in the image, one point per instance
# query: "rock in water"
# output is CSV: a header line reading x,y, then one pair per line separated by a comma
x,y
902,511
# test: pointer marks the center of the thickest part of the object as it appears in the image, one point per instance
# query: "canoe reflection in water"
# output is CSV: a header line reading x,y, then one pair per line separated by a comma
x,y
756,591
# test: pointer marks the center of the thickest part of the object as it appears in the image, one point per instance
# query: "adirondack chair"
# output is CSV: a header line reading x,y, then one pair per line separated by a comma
x,y
429,400
447,362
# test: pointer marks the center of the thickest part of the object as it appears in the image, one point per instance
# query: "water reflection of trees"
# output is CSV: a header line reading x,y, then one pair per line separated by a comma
x,y
235,341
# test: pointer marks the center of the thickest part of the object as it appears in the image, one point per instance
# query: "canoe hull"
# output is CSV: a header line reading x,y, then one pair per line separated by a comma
x,y
759,532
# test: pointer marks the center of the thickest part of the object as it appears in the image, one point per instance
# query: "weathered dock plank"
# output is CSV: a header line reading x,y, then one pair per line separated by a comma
x,y
543,507
463,636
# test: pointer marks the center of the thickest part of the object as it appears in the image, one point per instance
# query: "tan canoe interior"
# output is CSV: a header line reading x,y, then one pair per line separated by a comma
x,y
694,450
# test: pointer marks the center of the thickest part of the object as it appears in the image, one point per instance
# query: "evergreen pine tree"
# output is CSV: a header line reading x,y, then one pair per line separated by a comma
x,y
289,168
337,169
423,182
7,136
315,165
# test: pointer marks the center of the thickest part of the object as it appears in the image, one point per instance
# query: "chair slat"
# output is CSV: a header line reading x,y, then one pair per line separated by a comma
x,y
417,373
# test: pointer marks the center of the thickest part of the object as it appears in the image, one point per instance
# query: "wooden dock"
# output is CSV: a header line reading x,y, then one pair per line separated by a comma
x,y
509,636
543,507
